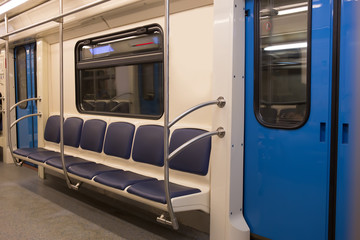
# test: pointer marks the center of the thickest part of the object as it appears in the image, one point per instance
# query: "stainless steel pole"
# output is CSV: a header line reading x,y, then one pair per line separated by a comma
x,y
7,85
61,55
173,219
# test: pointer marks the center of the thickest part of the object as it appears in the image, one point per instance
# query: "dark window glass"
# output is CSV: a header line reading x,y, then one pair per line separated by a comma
x,y
282,78
21,76
121,74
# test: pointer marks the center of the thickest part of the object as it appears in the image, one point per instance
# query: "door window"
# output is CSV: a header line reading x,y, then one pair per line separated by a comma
x,y
282,50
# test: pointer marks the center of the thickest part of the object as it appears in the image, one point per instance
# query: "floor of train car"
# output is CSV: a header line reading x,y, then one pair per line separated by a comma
x,y
32,208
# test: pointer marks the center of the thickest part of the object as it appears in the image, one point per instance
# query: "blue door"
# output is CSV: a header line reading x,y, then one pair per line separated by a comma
x,y
25,87
347,165
288,118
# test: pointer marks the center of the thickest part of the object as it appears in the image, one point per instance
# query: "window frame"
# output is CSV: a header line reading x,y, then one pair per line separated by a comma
x,y
257,70
151,57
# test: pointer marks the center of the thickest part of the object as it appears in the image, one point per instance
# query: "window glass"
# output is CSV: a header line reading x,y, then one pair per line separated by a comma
x,y
282,82
21,77
121,76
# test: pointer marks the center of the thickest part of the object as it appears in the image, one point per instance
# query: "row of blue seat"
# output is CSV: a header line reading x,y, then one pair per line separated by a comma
x,y
120,140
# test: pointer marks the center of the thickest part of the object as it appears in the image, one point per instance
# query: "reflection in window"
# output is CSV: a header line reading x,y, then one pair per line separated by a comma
x,y
121,74
21,78
129,89
282,75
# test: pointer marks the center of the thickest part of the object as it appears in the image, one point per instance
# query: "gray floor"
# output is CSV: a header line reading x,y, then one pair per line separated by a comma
x,y
32,208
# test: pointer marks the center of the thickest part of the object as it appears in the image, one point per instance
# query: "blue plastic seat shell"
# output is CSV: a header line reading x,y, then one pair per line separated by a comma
x,y
69,161
121,179
89,170
154,190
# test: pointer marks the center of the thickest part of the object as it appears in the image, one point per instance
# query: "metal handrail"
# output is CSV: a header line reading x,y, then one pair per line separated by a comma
x,y
24,117
61,56
220,102
56,18
220,132
22,101
173,221
7,101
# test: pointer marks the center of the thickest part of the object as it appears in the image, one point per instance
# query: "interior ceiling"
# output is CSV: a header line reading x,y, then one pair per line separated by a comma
x,y
22,8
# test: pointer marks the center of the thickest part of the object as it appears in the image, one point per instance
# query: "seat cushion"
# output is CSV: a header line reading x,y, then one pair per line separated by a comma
x,y
52,129
121,179
193,159
149,145
27,151
69,161
154,190
43,156
92,136
72,131
119,138
89,170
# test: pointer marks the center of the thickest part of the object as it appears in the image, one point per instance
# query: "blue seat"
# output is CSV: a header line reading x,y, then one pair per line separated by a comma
x,y
89,170
154,190
69,161
51,134
92,136
72,135
72,131
149,145
119,138
27,151
43,156
195,158
121,179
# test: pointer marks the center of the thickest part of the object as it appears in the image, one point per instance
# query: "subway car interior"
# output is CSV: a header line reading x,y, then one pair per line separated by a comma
x,y
180,119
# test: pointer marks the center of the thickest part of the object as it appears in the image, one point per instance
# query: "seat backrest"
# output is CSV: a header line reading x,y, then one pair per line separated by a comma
x,y
72,131
92,135
52,129
118,140
149,145
193,159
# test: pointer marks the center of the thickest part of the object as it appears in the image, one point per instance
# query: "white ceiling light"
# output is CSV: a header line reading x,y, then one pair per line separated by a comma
x,y
292,10
286,46
10,5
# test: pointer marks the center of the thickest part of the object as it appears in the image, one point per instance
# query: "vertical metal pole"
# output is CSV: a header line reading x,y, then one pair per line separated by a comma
x,y
174,222
61,55
7,85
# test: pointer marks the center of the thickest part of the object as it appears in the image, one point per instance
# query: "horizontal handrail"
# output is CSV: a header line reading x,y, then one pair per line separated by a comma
x,y
220,102
22,101
56,18
24,117
220,132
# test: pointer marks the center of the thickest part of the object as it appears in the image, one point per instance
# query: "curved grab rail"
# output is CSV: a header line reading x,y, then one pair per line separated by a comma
x,y
24,117
220,102
25,100
220,132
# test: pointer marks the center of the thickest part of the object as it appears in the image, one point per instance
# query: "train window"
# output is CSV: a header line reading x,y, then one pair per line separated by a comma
x,y
282,72
121,74
21,77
